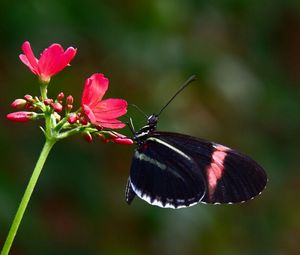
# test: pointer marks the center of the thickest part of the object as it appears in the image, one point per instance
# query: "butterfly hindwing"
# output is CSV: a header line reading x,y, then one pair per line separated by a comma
x,y
242,178
129,193
230,176
163,175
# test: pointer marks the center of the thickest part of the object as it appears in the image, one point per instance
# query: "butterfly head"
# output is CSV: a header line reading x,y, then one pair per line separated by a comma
x,y
152,122
141,135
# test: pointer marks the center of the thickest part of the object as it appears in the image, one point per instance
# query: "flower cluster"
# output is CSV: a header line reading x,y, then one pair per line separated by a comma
x,y
96,116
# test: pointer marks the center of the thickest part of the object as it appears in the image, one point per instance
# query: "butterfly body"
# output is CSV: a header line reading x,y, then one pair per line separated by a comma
x,y
173,170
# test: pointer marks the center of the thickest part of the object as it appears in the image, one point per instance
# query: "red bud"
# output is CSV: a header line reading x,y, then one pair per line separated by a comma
x,y
18,103
69,107
60,96
101,136
28,98
88,137
69,99
72,118
57,107
98,127
20,116
48,101
29,106
83,120
126,141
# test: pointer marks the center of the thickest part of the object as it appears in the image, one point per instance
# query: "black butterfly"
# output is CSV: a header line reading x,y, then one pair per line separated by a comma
x,y
174,170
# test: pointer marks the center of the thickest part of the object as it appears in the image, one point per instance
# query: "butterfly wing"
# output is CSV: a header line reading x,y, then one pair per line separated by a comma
x,y
230,176
129,193
163,175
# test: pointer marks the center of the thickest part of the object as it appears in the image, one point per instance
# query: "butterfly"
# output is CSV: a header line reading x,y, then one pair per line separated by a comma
x,y
173,170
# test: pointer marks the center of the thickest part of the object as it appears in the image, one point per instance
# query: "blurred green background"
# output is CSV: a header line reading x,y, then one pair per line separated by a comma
x,y
246,55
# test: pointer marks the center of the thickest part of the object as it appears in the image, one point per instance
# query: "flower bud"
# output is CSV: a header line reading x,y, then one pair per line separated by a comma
x,y
18,103
115,134
101,136
69,107
57,107
125,141
29,98
98,127
48,101
69,99
60,96
119,138
88,137
72,118
83,120
21,116
29,106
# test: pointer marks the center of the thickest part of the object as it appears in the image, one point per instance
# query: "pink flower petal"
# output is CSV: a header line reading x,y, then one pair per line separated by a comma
x,y
28,58
89,113
69,55
104,122
54,59
50,60
110,123
110,108
94,89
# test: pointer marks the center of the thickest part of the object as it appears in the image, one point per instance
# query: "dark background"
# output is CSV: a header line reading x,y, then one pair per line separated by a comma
x,y
246,55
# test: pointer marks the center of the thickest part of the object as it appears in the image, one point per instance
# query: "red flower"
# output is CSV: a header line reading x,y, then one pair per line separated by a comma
x,y
100,112
21,116
52,60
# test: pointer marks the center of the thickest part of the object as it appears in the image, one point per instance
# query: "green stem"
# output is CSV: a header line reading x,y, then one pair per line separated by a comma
x,y
43,89
61,123
48,123
26,197
71,132
75,131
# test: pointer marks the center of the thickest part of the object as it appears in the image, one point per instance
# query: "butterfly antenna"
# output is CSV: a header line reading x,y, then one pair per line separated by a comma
x,y
139,109
183,86
129,123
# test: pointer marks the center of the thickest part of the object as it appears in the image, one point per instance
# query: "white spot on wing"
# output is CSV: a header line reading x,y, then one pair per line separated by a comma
x,y
221,147
144,157
169,146
158,203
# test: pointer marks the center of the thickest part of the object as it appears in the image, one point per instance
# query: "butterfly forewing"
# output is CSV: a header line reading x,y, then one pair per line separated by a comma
x,y
230,177
165,176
